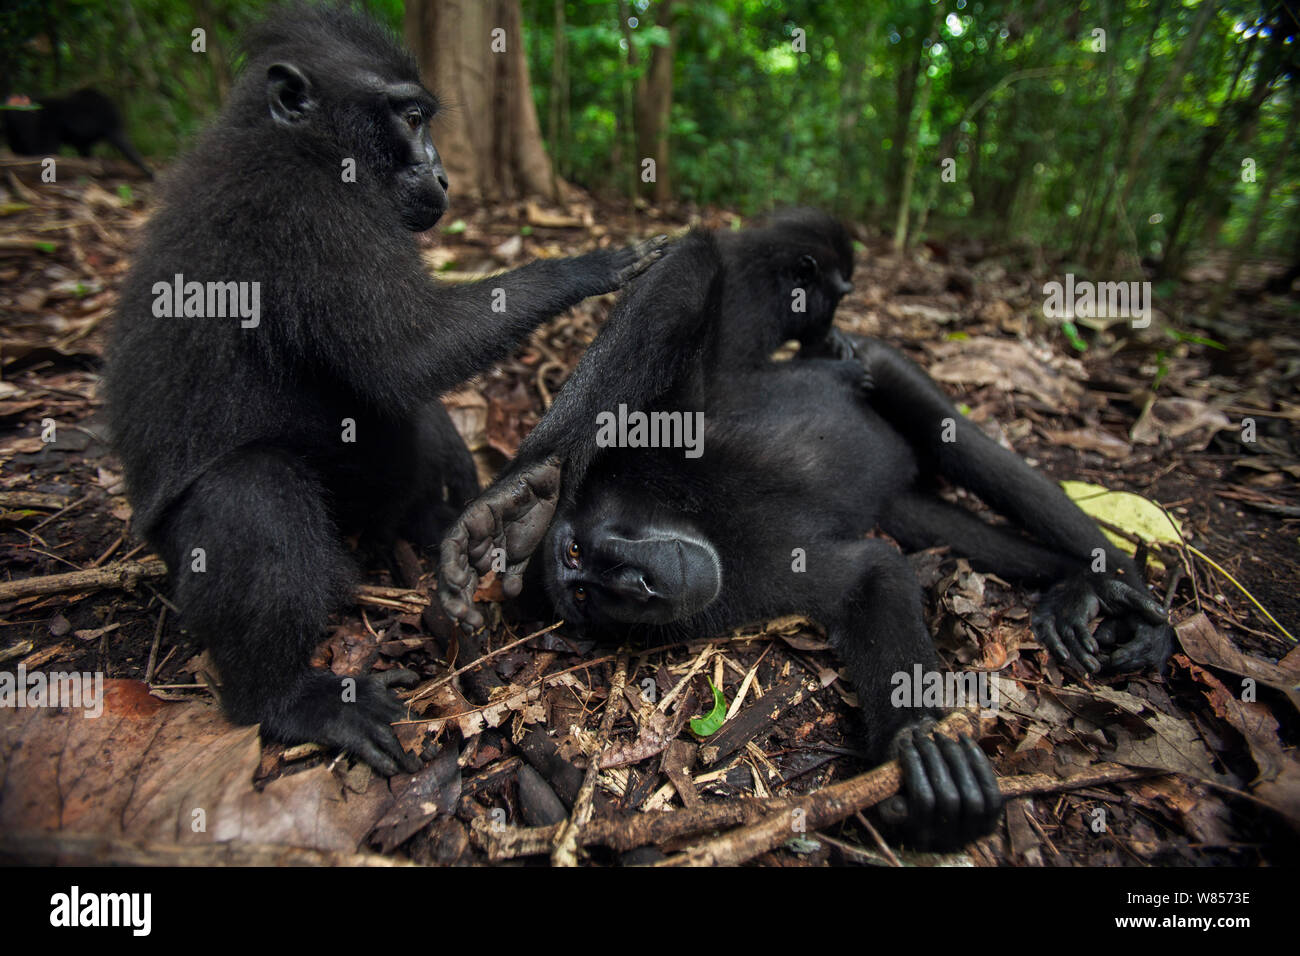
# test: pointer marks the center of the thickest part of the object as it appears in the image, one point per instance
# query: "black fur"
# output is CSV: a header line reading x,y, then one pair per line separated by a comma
x,y
233,438
811,454
796,249
79,120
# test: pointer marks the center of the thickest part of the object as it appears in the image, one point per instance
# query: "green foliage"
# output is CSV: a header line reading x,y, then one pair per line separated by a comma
x,y
1038,121
1071,332
1046,132
714,719
139,52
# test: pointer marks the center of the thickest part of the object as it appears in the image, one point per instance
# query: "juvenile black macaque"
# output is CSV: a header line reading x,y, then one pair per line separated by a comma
x,y
80,120
801,460
286,395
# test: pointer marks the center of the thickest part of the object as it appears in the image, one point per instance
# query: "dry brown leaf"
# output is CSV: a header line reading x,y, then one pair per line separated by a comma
x,y
173,773
1090,439
1008,365
1204,644
1172,743
1251,719
1173,418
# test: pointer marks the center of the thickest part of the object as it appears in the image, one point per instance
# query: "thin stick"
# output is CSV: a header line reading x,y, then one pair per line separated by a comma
x,y
541,682
566,841
837,801
109,553
1242,588
479,661
875,835
398,599
60,513
645,829
123,574
157,639
126,574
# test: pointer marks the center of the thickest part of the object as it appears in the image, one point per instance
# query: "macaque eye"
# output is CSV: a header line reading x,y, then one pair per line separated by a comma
x,y
414,118
574,551
580,593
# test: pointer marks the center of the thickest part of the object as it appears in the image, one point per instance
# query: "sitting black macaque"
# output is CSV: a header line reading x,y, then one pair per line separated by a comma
x,y
278,355
800,458
79,120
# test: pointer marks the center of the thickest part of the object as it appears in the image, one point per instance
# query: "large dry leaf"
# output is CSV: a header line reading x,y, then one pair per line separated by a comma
x,y
1173,418
1252,720
1008,365
1204,644
1278,781
1283,793
1090,439
1171,744
1143,736
168,773
1205,820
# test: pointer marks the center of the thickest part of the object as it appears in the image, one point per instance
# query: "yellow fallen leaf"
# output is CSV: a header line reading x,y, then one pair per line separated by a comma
x,y
1131,513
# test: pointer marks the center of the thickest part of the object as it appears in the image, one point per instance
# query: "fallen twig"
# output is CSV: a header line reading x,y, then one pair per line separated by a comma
x,y
841,800
127,574
566,840
399,599
123,574
424,691
646,829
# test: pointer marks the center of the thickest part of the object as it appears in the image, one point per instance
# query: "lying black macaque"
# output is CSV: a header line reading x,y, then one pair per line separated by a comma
x,y
79,120
800,458
278,355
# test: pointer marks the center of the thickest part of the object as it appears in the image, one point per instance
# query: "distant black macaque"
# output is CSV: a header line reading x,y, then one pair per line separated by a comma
x,y
79,120
278,355
800,458
1284,282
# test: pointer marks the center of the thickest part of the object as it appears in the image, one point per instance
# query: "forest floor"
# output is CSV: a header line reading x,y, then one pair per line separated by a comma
x,y
1198,766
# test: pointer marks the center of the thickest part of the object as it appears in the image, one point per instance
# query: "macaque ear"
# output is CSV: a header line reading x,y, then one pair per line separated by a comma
x,y
288,93
807,270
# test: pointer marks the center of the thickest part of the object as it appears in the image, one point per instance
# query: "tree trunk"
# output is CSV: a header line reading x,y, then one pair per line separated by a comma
x,y
1251,233
1154,119
216,51
909,174
1239,117
489,136
625,156
908,78
948,146
654,103
559,95
1102,152
853,67
52,31
1092,228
